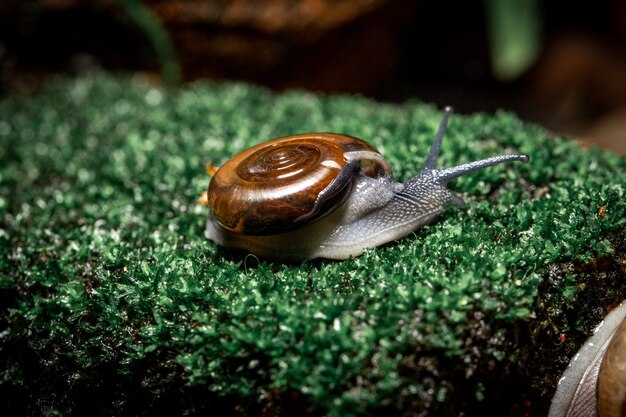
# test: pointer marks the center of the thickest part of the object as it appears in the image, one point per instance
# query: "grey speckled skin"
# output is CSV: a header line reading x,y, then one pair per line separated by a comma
x,y
377,211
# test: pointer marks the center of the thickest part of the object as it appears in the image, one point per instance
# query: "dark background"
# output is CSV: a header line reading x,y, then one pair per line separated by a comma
x,y
391,50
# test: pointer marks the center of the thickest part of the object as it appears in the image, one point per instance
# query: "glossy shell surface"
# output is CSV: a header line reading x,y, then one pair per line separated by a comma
x,y
611,389
284,183
594,383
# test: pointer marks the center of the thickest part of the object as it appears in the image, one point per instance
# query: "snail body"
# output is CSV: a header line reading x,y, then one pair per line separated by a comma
x,y
594,383
324,195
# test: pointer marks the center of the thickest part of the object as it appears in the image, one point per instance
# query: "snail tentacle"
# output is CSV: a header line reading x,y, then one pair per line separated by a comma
x,y
433,155
447,174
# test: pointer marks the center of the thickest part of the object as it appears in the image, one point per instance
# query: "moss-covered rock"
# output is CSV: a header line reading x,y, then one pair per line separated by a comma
x,y
115,303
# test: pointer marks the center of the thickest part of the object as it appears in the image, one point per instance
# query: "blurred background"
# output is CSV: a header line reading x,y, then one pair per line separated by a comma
x,y
559,63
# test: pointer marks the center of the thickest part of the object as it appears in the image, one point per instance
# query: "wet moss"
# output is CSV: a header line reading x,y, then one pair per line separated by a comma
x,y
113,301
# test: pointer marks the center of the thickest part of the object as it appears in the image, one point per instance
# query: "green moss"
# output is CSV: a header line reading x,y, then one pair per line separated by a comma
x,y
115,301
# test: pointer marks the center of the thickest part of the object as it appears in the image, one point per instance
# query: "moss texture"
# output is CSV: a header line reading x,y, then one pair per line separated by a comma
x,y
113,301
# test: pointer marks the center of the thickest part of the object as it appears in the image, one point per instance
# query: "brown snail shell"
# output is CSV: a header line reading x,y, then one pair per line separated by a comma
x,y
288,181
594,383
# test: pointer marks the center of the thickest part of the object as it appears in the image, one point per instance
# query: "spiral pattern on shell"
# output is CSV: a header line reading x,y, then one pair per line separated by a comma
x,y
279,162
284,183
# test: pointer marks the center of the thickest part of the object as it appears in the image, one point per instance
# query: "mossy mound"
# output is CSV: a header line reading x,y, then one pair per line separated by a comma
x,y
115,303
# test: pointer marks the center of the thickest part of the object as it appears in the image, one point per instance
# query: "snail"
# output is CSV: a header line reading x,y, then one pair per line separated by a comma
x,y
325,195
594,383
